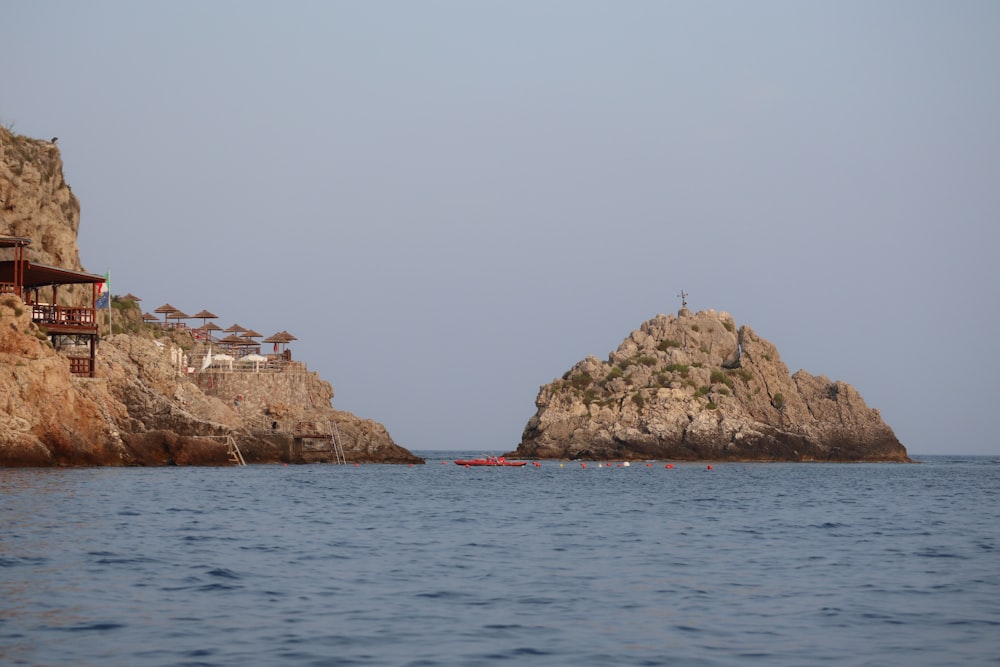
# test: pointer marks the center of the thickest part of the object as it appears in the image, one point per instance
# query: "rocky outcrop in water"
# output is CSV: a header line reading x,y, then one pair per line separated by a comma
x,y
140,409
694,386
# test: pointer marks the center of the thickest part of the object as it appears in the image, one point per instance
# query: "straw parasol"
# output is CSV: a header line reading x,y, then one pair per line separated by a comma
x,y
149,317
178,315
165,309
209,328
281,338
249,342
275,339
231,341
205,316
130,297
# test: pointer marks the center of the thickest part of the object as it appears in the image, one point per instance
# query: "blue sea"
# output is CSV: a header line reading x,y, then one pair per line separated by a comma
x,y
324,565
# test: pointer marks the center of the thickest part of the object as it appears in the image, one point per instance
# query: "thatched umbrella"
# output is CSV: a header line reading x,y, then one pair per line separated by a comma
x,y
230,342
288,338
205,316
178,315
165,309
149,318
249,342
209,328
281,338
130,297
275,339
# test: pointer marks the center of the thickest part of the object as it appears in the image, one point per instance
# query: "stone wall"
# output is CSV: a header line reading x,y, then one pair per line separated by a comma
x,y
285,397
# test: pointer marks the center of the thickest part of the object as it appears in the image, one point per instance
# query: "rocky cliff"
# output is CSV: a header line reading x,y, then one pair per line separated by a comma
x,y
694,386
36,202
143,407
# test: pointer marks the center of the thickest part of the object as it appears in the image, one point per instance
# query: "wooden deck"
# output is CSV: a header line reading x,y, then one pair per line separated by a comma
x,y
65,319
29,280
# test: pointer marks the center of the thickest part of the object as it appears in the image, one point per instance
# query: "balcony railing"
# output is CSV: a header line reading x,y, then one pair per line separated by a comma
x,y
63,316
81,366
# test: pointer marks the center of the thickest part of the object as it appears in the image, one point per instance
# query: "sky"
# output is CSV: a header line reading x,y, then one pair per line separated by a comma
x,y
451,202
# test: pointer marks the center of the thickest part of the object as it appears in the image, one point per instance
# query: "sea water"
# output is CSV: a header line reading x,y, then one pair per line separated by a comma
x,y
743,564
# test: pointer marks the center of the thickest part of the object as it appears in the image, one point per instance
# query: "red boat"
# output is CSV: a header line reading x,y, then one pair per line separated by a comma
x,y
496,461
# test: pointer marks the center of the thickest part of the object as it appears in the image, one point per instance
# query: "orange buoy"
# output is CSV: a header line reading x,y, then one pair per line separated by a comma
x,y
669,465
709,467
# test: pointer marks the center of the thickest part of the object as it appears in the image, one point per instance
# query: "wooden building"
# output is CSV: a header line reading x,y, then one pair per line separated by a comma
x,y
72,329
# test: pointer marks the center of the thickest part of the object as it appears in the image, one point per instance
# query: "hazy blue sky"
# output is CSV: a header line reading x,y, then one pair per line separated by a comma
x,y
451,203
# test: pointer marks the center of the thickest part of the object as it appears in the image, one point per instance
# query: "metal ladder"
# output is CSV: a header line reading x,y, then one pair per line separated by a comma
x,y
235,455
338,450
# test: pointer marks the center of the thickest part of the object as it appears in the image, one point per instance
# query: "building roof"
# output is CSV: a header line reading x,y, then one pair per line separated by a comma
x,y
14,241
43,275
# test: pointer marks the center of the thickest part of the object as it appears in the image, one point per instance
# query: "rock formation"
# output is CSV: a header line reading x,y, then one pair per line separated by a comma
x,y
695,387
143,407
36,202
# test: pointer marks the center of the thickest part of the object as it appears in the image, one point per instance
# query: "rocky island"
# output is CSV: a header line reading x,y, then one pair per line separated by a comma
x,y
146,397
696,387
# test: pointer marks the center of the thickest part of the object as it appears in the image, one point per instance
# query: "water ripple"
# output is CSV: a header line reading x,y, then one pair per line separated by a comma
x,y
437,565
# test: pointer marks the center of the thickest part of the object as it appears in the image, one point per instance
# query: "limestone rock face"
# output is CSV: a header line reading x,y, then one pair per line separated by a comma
x,y
694,386
36,202
46,416
143,407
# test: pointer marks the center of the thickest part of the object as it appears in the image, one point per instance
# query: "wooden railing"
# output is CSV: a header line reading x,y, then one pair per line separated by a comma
x,y
63,316
80,366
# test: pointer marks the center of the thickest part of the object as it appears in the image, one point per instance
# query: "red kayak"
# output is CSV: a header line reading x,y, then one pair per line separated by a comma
x,y
496,461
